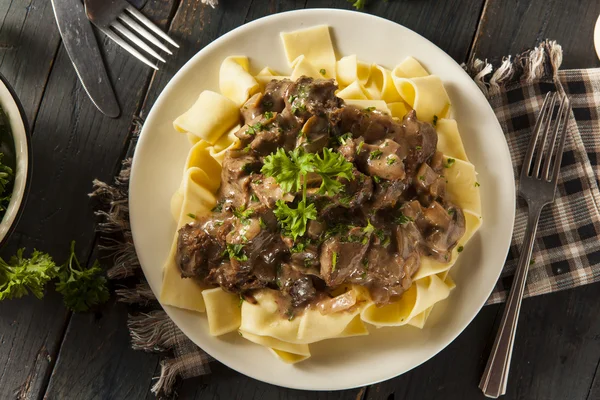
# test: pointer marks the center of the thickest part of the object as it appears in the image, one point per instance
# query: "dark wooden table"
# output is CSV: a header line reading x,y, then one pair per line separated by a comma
x,y
47,352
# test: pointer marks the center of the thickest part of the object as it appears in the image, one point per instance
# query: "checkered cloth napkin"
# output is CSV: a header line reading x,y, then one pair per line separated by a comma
x,y
567,248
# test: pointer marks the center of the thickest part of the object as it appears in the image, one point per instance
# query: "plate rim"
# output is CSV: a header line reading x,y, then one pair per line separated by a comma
x,y
247,26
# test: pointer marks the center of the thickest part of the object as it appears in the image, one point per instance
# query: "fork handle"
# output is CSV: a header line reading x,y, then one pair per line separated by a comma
x,y
494,379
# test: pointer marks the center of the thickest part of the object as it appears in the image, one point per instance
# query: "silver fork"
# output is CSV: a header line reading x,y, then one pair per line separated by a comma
x,y
118,16
537,187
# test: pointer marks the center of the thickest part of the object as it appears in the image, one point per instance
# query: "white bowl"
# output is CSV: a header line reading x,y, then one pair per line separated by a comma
x,y
340,363
21,137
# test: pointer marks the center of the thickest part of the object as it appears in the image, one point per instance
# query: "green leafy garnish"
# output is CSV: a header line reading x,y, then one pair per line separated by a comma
x,y
81,287
235,252
375,154
460,249
268,115
330,166
402,219
358,4
369,228
253,129
22,275
192,216
6,178
359,148
391,160
450,162
435,120
376,179
342,138
369,109
243,213
322,72
294,220
290,170
333,261
477,184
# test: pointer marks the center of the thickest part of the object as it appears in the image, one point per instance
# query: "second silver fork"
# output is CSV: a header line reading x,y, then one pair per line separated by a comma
x,y
537,186
118,20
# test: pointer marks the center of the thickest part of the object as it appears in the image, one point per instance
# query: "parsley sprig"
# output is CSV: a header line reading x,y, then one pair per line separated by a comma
x,y
290,170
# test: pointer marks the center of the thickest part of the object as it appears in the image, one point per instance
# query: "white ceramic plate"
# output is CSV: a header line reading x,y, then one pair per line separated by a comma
x,y
340,363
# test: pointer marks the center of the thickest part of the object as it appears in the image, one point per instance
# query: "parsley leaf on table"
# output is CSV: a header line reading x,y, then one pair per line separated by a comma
x,y
81,287
22,275
358,4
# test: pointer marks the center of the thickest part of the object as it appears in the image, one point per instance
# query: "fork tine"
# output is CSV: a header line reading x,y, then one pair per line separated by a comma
x,y
127,47
546,123
137,41
561,147
534,137
559,119
142,18
139,29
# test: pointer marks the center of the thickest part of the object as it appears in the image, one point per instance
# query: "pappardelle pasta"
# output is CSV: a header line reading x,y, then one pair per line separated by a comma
x,y
315,203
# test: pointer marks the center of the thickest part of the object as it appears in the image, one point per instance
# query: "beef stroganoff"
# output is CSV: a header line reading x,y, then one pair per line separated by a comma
x,y
315,202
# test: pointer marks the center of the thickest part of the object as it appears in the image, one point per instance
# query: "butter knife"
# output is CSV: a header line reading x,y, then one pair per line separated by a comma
x,y
80,42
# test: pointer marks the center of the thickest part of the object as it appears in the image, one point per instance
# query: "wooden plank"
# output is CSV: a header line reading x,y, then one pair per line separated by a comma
x,y
511,26
555,357
451,374
30,330
29,40
448,24
95,359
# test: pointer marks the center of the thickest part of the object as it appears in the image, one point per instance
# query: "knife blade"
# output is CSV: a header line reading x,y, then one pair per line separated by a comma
x,y
82,48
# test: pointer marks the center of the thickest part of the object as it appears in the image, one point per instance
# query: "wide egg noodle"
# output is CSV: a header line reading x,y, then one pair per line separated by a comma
x,y
235,82
449,141
211,116
354,91
423,294
302,67
225,143
398,109
379,105
409,68
462,187
289,353
350,69
197,201
426,95
315,45
223,311
381,85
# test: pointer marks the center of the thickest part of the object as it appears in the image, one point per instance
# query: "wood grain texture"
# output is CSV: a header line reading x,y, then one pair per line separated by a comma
x,y
449,24
30,330
29,40
95,360
511,26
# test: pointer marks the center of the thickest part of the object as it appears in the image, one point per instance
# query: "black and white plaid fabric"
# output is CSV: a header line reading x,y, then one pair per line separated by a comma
x,y
567,248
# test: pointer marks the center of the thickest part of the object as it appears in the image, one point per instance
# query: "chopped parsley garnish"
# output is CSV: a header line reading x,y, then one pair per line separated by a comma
x,y
253,129
241,301
477,184
257,182
376,179
242,213
403,219
342,139
450,162
334,261
391,160
262,223
235,252
369,109
380,234
301,107
435,120
460,249
532,261
254,197
268,115
290,169
292,98
375,154
218,207
247,149
418,147
421,178
192,216
369,228
359,148
322,71
298,248
451,211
